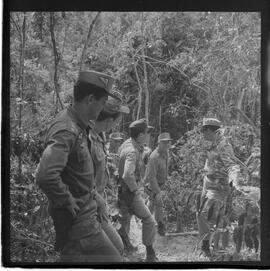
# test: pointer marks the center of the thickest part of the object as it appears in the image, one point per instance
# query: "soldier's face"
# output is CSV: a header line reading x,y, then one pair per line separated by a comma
x,y
165,145
208,134
95,106
142,138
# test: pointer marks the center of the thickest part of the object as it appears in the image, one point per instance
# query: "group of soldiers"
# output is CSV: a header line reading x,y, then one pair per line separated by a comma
x,y
73,174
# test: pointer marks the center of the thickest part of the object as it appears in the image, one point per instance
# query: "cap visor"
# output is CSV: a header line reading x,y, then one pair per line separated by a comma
x,y
150,129
114,96
124,109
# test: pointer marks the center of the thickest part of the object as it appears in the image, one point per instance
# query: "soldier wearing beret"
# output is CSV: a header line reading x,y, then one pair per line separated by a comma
x,y
130,173
106,121
220,174
66,174
156,176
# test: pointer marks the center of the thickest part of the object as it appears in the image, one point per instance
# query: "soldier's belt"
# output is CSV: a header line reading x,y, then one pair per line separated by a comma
x,y
122,181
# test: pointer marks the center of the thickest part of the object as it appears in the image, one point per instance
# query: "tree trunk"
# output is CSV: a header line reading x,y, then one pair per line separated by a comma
x,y
67,24
179,222
21,82
56,62
239,103
87,40
159,119
146,91
140,87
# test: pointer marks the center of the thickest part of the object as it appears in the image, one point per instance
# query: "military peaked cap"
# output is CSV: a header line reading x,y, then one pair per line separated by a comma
x,y
98,79
211,122
140,125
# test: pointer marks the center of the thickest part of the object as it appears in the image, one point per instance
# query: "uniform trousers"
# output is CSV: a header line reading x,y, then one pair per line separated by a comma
x,y
140,210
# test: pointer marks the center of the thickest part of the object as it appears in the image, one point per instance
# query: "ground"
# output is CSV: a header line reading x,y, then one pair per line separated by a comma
x,y
181,248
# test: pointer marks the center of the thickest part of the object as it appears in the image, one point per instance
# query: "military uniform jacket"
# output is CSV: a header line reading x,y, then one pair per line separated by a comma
x,y
220,167
66,169
130,163
99,155
156,171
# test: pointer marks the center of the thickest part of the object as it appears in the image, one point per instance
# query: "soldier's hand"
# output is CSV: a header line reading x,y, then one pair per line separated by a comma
x,y
74,207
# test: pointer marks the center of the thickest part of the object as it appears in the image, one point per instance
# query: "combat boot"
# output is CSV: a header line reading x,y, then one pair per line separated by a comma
x,y
150,255
206,248
161,229
128,247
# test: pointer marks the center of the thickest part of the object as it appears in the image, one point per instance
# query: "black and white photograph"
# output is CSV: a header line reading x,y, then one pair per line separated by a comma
x,y
135,137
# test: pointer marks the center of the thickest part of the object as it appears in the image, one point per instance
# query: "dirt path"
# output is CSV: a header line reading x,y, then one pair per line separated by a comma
x,y
168,248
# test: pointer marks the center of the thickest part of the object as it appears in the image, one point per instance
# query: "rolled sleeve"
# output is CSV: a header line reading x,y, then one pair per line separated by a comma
x,y
52,163
129,171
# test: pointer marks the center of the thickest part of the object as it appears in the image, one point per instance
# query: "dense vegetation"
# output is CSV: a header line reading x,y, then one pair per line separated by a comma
x,y
172,67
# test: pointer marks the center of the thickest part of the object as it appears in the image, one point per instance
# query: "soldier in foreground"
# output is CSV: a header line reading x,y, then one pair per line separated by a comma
x,y
131,202
156,176
107,120
66,175
220,174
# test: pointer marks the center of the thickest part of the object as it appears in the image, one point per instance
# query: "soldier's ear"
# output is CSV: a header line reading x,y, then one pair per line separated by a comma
x,y
90,98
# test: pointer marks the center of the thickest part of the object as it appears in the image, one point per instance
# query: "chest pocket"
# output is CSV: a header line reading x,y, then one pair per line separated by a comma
x,y
162,171
83,156
99,153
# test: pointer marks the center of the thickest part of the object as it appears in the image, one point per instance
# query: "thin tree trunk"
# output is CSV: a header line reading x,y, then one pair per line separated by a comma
x,y
146,91
159,119
140,87
21,82
87,40
63,47
56,62
239,103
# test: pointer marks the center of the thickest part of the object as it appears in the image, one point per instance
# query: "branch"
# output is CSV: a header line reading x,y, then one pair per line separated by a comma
x,y
176,68
56,59
27,238
239,103
16,25
87,40
246,118
140,87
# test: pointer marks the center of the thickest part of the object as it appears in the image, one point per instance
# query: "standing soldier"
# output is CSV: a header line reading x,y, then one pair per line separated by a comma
x,y
156,176
116,139
107,119
66,175
220,173
131,202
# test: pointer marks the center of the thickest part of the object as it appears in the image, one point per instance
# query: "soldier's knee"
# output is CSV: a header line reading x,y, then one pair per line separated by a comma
x,y
149,220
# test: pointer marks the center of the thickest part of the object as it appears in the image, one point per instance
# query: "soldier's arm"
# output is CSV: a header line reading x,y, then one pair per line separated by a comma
x,y
231,167
129,171
152,175
52,163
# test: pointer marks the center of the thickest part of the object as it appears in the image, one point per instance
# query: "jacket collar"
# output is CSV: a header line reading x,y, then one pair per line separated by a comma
x,y
74,114
162,154
138,146
96,136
